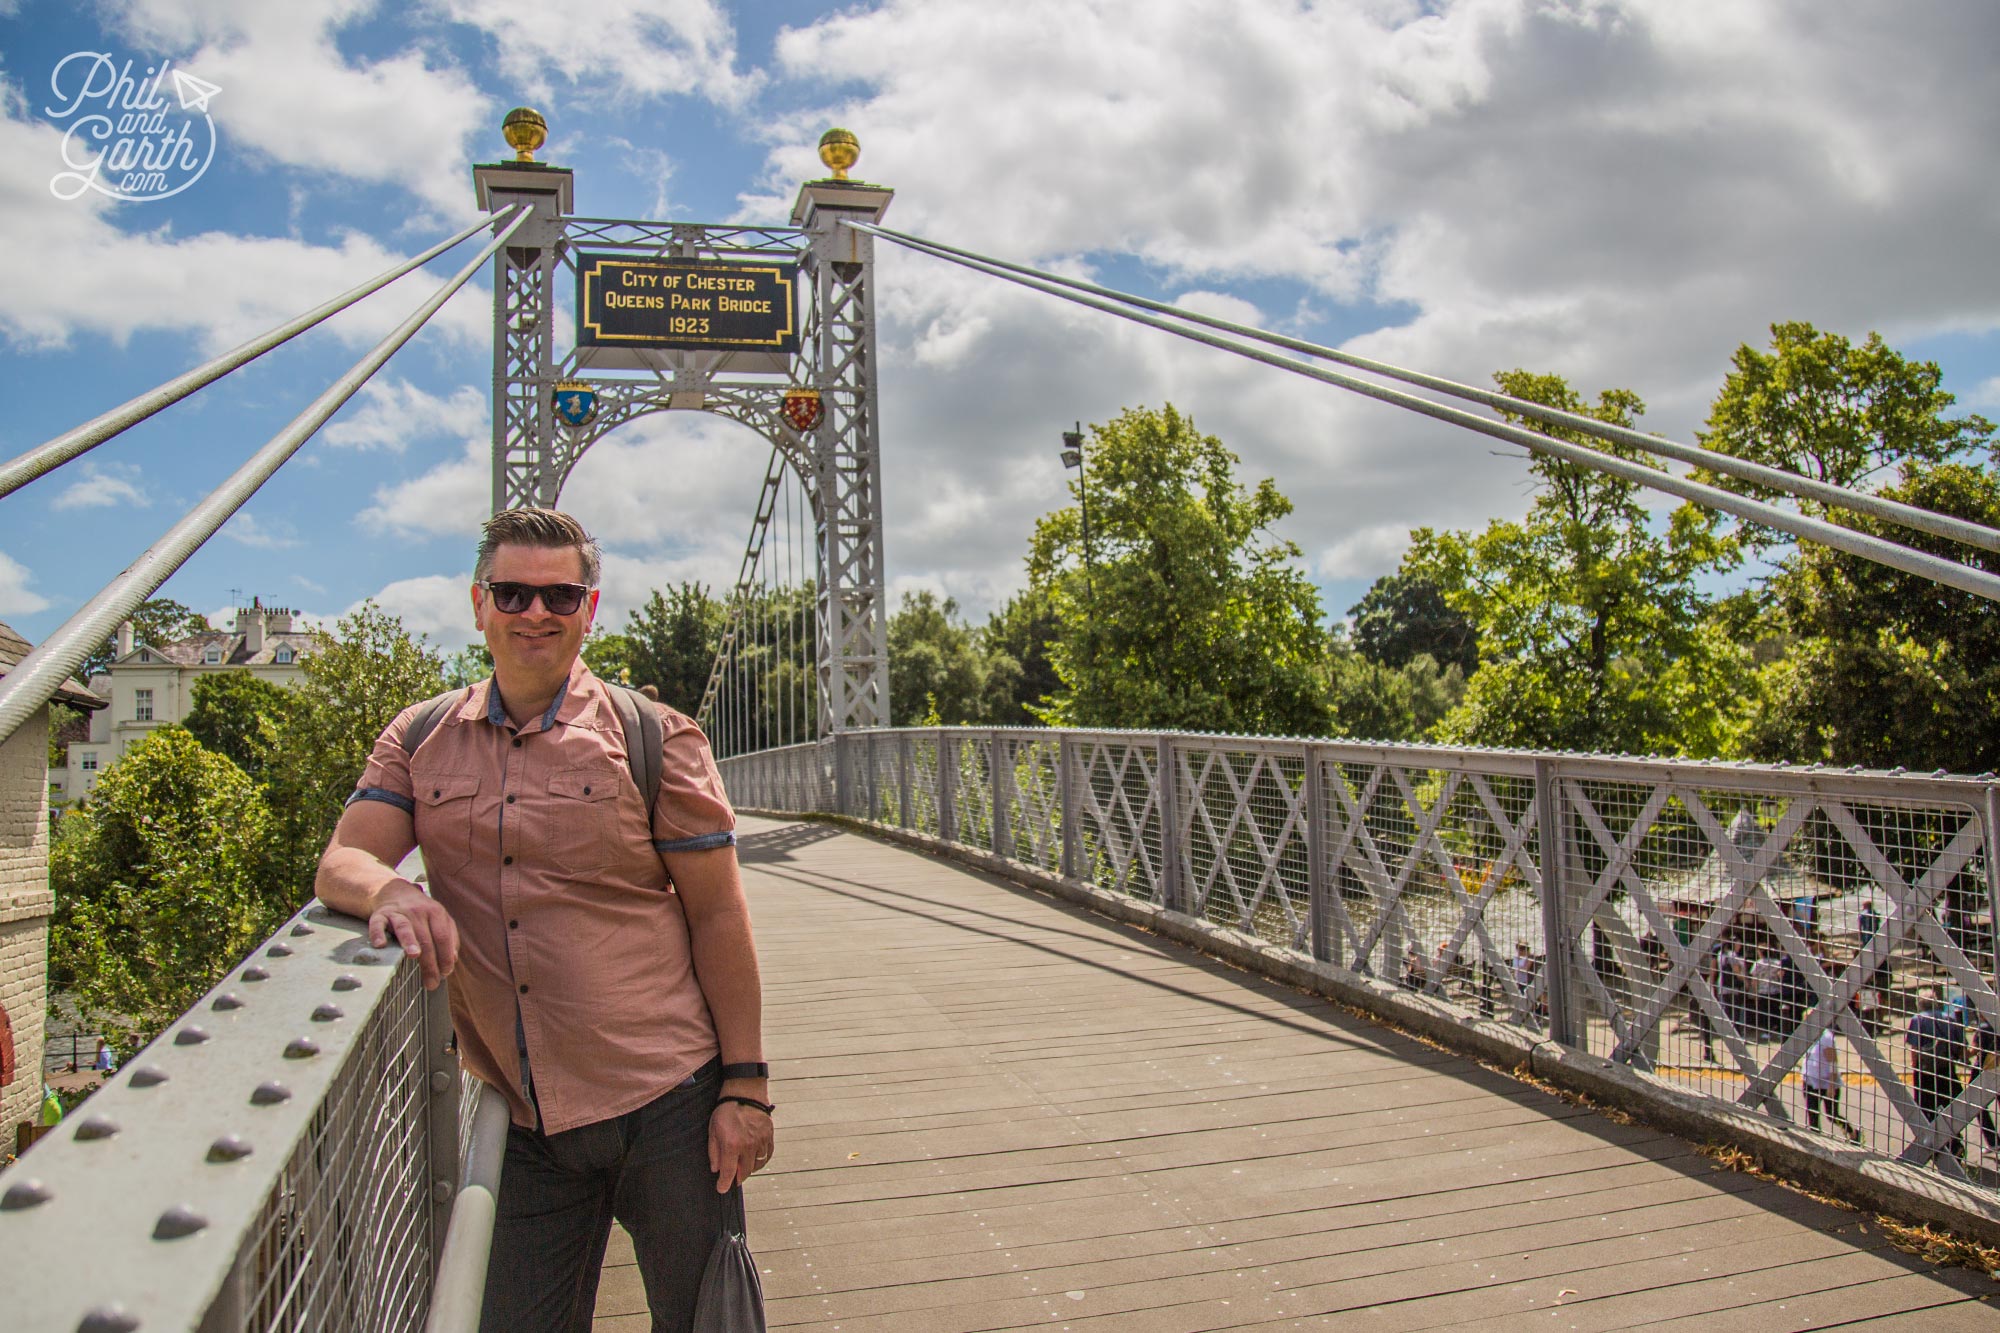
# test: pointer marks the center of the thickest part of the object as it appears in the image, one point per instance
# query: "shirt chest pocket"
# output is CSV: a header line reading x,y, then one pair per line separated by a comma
x,y
444,819
582,835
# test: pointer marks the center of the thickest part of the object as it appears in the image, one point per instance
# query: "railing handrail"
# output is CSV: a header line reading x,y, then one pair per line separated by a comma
x,y
33,682
170,1165
458,1296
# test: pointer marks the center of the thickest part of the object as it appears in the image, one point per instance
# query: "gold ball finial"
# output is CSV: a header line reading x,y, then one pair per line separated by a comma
x,y
839,149
525,131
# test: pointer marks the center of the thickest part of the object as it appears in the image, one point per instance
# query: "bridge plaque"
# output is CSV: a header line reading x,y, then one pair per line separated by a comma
x,y
686,304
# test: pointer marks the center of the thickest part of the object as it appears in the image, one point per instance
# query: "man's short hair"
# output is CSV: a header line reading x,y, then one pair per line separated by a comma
x,y
550,529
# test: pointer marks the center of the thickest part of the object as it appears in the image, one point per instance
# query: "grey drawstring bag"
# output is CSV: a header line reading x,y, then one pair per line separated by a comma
x,y
732,1297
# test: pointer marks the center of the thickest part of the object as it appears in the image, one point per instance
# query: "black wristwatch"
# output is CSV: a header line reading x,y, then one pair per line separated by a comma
x,y
747,1070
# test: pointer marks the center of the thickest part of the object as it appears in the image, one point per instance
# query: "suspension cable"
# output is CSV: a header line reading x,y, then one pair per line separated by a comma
x,y
41,673
1808,488
44,458
735,627
1920,563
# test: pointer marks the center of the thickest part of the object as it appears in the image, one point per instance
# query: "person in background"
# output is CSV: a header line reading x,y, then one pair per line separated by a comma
x,y
1823,1086
1937,1047
105,1062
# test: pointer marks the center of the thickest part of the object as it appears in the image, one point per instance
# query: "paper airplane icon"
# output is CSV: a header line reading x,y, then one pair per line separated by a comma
x,y
194,93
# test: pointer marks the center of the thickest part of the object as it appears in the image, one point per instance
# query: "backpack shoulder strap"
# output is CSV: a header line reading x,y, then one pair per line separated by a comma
x,y
429,713
644,734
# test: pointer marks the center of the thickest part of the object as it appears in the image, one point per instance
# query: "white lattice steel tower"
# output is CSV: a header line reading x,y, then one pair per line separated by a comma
x,y
838,459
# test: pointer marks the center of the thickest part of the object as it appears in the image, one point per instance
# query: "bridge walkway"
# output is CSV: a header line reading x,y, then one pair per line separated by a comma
x,y
1001,1111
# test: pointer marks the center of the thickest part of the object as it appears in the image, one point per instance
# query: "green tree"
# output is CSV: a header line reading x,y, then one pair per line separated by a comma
x,y
1377,702
1186,610
160,884
1594,631
935,664
62,718
368,670
1021,679
161,620
474,663
671,642
1403,617
1886,668
233,713
1818,405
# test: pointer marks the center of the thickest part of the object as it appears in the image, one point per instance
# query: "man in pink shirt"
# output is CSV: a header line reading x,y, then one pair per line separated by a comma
x,y
603,972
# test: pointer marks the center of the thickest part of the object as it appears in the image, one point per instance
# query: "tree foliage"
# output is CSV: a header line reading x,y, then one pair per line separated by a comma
x,y
940,667
1185,610
160,884
1818,405
236,714
368,670
1885,668
1594,631
670,643
1373,701
1403,617
161,620
1016,640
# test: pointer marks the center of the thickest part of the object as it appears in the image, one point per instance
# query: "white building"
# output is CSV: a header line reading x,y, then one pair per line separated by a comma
x,y
152,684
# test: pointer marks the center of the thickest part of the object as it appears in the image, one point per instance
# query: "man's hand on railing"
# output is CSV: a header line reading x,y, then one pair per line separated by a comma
x,y
422,926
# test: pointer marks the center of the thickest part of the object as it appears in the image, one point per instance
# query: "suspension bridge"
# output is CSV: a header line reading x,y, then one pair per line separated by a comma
x,y
1106,1030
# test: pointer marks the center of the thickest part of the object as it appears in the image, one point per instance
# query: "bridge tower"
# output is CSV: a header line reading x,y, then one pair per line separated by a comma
x,y
809,387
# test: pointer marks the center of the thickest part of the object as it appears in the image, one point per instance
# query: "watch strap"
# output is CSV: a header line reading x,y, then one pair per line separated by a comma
x,y
748,1069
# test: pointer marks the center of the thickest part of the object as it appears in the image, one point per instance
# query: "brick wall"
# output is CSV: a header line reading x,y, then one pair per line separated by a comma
x,y
25,903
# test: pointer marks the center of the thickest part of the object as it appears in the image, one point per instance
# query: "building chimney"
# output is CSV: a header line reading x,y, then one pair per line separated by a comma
x,y
250,624
125,638
278,619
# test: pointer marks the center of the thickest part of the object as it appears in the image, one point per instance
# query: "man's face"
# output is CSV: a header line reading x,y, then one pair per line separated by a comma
x,y
533,644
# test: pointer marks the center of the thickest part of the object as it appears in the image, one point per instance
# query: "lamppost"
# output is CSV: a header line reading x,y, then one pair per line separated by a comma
x,y
1072,457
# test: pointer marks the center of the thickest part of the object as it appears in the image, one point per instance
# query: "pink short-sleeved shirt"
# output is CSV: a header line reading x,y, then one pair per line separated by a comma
x,y
537,843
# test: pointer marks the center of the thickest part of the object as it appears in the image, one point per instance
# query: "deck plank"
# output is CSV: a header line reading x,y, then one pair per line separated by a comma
x,y
1002,1112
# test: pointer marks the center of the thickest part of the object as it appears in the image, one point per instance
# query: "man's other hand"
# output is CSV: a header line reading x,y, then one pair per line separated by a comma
x,y
423,928
740,1142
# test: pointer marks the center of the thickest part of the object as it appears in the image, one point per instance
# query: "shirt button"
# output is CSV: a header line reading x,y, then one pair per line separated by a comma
x,y
506,860
524,988
513,925
436,795
517,742
510,800
586,791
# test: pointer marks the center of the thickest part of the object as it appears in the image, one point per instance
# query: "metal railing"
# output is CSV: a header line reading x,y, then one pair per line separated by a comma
x,y
1709,923
285,1156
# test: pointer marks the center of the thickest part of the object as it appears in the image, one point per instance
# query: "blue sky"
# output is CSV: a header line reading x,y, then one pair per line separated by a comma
x,y
1622,192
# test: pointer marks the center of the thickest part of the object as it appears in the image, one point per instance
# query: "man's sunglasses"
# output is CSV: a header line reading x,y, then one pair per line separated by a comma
x,y
561,599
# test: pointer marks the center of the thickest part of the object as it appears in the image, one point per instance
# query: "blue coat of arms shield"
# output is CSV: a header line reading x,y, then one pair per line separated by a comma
x,y
576,404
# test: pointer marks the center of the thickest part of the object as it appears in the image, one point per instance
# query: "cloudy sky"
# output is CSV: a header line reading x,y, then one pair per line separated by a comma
x,y
1621,191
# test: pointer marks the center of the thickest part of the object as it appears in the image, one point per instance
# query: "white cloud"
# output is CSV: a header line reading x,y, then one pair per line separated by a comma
x,y
1986,395
102,485
622,48
1620,191
388,413
16,598
74,271
246,530
290,95
436,605
450,499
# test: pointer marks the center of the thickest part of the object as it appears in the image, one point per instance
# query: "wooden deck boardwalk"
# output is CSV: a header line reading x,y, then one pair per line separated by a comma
x,y
1002,1112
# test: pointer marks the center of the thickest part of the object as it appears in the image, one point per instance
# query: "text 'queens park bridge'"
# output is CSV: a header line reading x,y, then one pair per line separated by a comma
x,y
1082,1029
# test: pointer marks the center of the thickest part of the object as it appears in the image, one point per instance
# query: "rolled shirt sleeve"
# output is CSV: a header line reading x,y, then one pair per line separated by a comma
x,y
386,777
692,812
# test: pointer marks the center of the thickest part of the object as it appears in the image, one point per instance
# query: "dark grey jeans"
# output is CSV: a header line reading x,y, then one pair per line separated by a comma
x,y
560,1192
